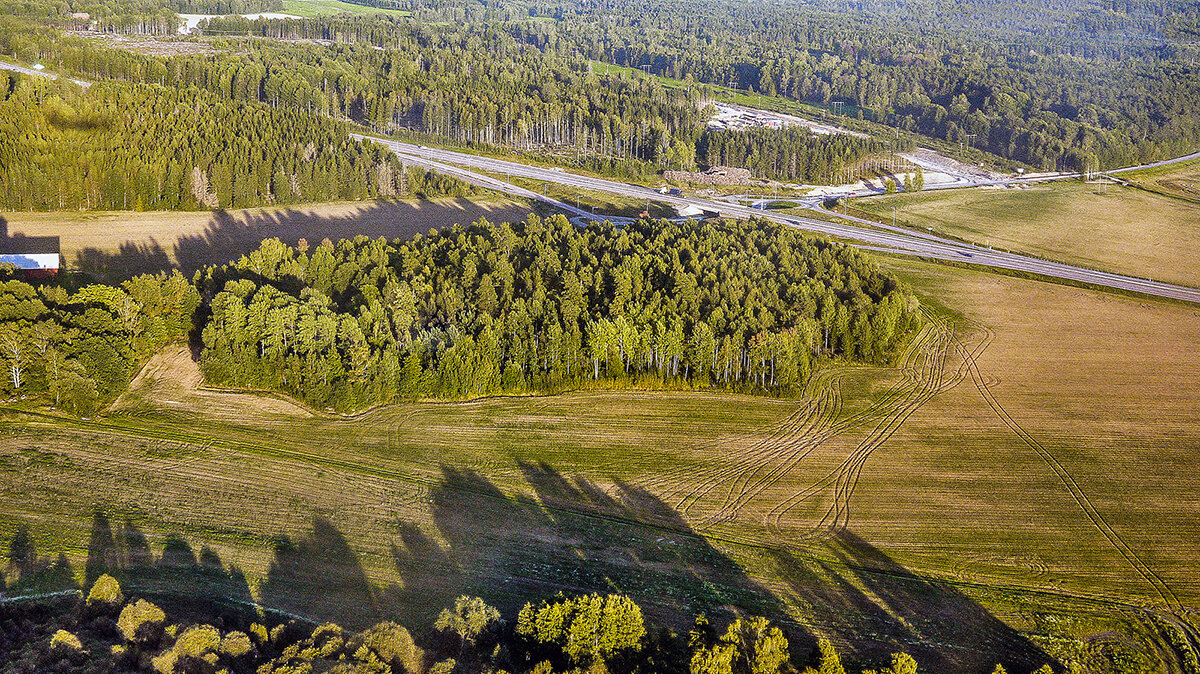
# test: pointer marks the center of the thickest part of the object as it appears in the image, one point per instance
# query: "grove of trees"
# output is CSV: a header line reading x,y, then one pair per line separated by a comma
x,y
542,305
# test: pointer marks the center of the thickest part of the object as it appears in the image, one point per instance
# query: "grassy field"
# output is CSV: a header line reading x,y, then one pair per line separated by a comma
x,y
313,8
125,243
1014,490
1176,180
1124,230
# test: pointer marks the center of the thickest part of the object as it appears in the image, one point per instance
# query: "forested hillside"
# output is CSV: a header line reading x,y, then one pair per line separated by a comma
x,y
542,305
142,146
1053,85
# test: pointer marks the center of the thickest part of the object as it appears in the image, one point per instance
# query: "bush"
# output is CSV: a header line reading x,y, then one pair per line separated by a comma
x,y
236,644
393,645
106,593
65,639
141,622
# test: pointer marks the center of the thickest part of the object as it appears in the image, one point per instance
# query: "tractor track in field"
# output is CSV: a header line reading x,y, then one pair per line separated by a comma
x,y
924,381
1081,498
773,458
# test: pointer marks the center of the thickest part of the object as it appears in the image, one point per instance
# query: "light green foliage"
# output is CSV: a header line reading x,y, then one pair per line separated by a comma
x,y
902,663
64,639
393,645
828,660
236,644
470,619
105,592
749,646
446,666
141,622
164,663
197,640
889,186
588,628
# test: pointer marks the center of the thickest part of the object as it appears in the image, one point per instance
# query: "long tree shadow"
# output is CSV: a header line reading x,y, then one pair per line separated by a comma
x,y
319,577
578,537
230,234
874,606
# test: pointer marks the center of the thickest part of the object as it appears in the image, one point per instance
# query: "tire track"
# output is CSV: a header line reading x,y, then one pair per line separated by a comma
x,y
928,380
1160,586
784,460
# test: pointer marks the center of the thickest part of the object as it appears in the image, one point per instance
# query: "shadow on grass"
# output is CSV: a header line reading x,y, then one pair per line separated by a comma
x,y
876,607
231,234
567,534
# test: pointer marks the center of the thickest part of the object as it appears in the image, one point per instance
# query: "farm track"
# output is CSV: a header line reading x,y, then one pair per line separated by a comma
x,y
1081,498
926,376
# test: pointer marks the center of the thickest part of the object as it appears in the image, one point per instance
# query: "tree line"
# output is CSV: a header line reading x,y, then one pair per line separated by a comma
x,y
106,632
464,84
535,306
1032,83
77,350
120,145
542,305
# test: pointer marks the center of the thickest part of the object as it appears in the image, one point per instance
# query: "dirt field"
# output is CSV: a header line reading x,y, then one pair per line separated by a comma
x,y
1123,230
129,243
1011,491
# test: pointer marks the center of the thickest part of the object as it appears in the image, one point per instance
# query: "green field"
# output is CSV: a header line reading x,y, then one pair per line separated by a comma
x,y
1176,180
1012,491
312,8
1118,229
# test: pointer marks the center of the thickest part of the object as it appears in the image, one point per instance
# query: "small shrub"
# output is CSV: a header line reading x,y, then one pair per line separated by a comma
x,y
105,593
141,622
197,640
64,639
164,663
237,644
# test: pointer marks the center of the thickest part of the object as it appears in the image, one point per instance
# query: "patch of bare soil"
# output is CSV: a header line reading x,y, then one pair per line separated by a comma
x,y
172,380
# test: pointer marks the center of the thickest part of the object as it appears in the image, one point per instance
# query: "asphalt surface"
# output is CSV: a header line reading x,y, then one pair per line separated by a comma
x,y
871,235
40,73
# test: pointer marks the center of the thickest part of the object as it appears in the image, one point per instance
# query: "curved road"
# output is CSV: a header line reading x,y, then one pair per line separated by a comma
x,y
869,235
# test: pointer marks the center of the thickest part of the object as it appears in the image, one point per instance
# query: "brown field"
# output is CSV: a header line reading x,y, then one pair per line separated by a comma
x,y
1012,491
129,243
1123,229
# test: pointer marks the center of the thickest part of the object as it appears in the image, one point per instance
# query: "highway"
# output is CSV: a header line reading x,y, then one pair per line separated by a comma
x,y
870,235
4,65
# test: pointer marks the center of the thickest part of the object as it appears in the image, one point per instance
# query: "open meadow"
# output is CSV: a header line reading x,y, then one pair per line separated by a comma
x,y
313,8
1118,229
1178,180
1015,490
124,243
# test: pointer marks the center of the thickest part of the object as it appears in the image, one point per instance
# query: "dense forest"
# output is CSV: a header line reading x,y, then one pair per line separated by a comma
x,y
107,632
396,76
1054,86
79,349
119,145
541,305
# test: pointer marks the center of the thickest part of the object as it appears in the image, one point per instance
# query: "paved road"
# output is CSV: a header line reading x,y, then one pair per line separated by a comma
x,y
869,235
41,73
